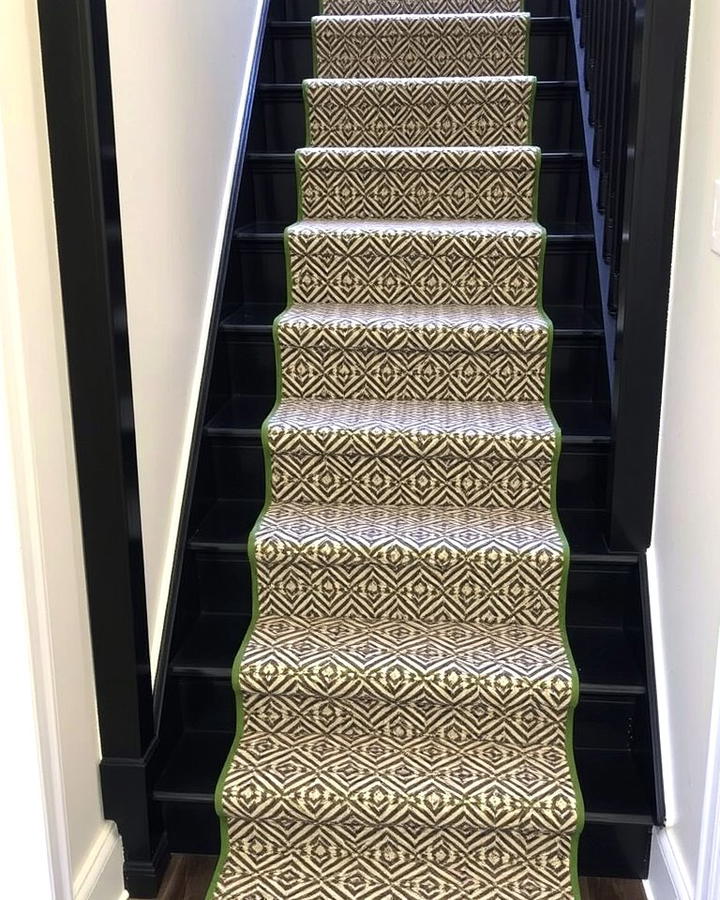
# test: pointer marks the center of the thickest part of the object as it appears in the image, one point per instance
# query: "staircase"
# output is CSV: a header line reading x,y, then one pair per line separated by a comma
x,y
607,615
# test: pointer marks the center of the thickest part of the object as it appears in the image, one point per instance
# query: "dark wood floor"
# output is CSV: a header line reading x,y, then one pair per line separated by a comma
x,y
188,878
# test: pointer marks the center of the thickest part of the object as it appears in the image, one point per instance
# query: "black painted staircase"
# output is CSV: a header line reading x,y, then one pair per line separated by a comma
x,y
607,613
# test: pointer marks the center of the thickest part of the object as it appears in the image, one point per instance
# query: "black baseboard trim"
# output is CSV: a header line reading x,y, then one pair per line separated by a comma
x,y
144,878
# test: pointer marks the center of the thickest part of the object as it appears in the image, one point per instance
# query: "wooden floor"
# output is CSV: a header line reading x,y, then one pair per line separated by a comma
x,y
188,877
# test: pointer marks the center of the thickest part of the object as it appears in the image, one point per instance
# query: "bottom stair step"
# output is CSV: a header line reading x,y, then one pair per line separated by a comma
x,y
615,841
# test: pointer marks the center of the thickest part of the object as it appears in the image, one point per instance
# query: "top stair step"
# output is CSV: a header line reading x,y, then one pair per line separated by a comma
x,y
305,9
418,7
407,46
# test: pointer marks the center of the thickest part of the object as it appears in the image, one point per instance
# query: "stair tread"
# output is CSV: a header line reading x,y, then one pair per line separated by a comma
x,y
416,44
391,418
257,318
403,452
412,318
481,783
227,525
612,787
413,351
243,415
211,645
477,110
413,182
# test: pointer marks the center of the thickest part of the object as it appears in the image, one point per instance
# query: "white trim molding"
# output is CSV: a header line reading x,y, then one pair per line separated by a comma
x,y
243,111
101,870
661,670
708,876
667,879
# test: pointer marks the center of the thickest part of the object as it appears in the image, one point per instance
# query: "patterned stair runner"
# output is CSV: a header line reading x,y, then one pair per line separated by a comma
x,y
406,690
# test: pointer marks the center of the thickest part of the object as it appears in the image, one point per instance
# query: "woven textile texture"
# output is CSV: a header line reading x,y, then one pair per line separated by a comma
x,y
405,691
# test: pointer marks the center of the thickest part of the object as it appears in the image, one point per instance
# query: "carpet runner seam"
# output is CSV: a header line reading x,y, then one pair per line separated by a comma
x,y
405,691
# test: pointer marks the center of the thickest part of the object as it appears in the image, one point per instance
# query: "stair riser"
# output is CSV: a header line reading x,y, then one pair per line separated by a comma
x,y
287,56
563,198
257,272
208,704
298,10
618,851
598,595
576,372
238,470
279,120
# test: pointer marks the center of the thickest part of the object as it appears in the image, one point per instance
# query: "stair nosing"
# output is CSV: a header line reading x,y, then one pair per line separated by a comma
x,y
278,234
538,23
209,672
255,432
587,558
267,329
544,84
275,156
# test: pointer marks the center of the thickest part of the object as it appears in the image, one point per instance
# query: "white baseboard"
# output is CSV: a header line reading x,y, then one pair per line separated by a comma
x,y
101,874
668,879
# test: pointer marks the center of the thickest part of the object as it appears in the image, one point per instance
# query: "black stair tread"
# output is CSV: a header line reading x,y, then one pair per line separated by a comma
x,y
227,525
259,230
257,318
242,416
613,789
605,659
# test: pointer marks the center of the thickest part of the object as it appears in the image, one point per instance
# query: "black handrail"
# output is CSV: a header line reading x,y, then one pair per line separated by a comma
x,y
631,56
606,37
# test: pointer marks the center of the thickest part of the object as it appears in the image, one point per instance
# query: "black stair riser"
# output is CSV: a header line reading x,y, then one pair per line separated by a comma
x,y
606,851
238,469
269,189
297,10
576,374
601,594
208,704
208,645
279,118
257,271
287,55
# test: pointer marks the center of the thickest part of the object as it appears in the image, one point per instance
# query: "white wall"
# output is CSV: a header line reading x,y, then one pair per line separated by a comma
x,y
685,551
60,844
180,73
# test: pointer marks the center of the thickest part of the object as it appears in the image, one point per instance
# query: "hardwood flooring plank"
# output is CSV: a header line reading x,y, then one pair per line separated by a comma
x,y
611,889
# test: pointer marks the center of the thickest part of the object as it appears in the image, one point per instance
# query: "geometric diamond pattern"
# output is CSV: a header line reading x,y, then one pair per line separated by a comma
x,y
418,262
424,46
406,684
412,452
440,564
418,182
399,7
416,112
336,351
